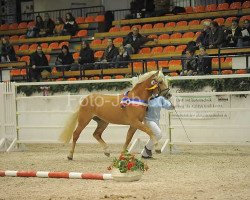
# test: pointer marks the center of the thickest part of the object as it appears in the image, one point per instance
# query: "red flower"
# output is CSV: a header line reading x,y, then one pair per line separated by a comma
x,y
130,165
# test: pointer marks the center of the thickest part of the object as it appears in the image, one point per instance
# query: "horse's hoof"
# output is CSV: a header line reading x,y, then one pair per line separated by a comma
x,y
70,158
158,151
107,154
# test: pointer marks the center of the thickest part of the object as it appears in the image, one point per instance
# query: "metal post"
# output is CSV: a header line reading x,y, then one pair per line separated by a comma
x,y
170,132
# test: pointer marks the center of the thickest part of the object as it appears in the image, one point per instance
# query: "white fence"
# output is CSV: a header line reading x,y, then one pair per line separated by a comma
x,y
207,117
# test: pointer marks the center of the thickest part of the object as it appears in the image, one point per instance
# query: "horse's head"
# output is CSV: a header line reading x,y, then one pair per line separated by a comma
x,y
158,85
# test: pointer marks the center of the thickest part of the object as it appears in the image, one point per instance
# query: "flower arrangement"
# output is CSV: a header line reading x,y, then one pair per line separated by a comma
x,y
128,163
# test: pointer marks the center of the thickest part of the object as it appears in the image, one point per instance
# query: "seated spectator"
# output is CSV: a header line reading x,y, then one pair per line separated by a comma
x,y
48,27
203,39
244,39
7,51
190,64
64,58
70,26
134,40
204,63
216,36
59,26
233,34
86,56
121,57
35,30
38,59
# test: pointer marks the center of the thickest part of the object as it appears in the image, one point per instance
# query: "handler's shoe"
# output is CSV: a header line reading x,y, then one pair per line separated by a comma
x,y
146,153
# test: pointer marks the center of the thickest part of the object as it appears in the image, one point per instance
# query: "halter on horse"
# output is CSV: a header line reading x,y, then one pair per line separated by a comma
x,y
105,109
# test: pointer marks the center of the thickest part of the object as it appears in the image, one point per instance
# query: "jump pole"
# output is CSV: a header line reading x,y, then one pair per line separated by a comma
x,y
44,174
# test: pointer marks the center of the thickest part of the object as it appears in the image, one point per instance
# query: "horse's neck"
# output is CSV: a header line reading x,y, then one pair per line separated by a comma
x,y
139,91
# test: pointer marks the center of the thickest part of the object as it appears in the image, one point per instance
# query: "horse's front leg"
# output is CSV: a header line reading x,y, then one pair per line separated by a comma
x,y
130,134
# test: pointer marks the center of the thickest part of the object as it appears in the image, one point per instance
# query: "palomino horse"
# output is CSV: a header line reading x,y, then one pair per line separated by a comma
x,y
105,109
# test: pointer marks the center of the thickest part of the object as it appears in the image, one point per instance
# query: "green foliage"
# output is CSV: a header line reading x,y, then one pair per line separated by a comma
x,y
218,85
74,88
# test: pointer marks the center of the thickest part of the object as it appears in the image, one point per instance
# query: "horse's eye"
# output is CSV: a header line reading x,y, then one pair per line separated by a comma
x,y
153,82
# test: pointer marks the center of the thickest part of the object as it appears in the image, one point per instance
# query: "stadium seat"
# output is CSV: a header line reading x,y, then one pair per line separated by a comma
x,y
14,37
54,45
176,36
119,77
246,4
33,47
245,17
235,5
163,37
154,36
158,25
211,8
215,62
89,19
99,18
22,25
189,9
25,59
227,63
138,65
24,47
98,54
199,9
22,37
227,71
197,34
137,25
15,72
157,50
170,24
229,20
96,42
188,35
118,40
151,65
44,45
13,26
23,72
114,29
105,41
63,43
220,20
215,72
82,33
241,71
31,24
80,20
181,23
96,78
163,64
175,65
223,6
16,48
4,27
106,77
194,23
169,49
76,56
71,79
125,28
173,74
180,48
147,26
145,50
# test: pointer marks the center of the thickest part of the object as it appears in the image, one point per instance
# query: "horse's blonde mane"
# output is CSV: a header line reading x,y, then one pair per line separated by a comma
x,y
147,75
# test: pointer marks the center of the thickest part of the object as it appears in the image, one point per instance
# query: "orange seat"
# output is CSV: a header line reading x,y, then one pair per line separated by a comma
x,y
163,63
13,26
4,27
163,37
154,36
145,50
199,9
215,72
114,29
137,26
241,71
48,57
23,72
96,78
151,65
223,6
54,45
118,40
176,36
99,18
16,48
180,48
147,26
15,72
106,77
98,54
24,47
125,28
76,55
63,43
14,37
80,20
197,34
105,41
25,59
246,4
189,9
170,24
227,63
245,17
230,19
169,49
215,62
82,33
157,50
138,65
220,20
33,47
181,23
71,79
158,25
175,65
194,23
119,77
90,19
211,8
96,42
44,45
22,25
227,71
235,5
173,74
22,37
188,35
31,24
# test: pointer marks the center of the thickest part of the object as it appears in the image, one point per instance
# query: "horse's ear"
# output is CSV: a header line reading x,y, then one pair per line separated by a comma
x,y
157,74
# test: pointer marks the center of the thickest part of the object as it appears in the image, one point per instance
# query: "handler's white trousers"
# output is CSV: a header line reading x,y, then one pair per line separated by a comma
x,y
158,135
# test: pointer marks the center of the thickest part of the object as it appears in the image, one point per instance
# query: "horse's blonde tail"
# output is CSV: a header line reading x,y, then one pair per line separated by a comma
x,y
70,126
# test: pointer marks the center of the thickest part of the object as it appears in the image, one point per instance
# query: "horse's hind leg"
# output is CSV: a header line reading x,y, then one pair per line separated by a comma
x,y
82,123
130,134
101,126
